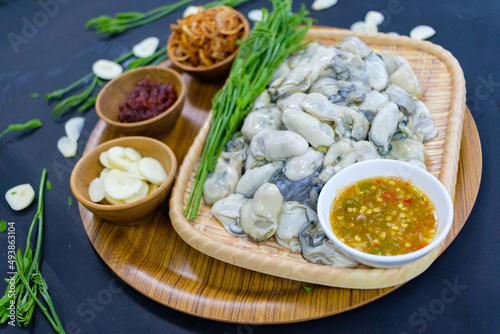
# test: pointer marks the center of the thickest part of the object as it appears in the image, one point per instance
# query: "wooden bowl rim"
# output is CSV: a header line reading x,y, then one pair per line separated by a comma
x,y
125,76
116,142
203,69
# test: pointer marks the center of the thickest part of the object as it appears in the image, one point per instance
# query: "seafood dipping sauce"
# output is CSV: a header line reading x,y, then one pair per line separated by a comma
x,y
383,216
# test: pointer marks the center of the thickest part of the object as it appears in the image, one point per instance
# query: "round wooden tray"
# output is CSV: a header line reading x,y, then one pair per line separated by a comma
x,y
155,261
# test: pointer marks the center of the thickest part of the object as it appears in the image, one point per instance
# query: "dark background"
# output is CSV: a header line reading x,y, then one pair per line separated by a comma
x,y
61,51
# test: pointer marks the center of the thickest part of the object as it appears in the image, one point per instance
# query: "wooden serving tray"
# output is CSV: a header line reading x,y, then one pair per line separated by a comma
x,y
155,261
444,95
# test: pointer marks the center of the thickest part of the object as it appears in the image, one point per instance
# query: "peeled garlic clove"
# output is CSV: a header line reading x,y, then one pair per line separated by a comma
x,y
374,17
67,147
323,4
255,15
106,69
146,48
422,32
152,170
96,190
118,185
370,28
132,154
358,26
74,127
20,197
190,10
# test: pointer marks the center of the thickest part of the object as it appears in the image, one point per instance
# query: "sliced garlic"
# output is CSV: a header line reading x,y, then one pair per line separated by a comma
x,y
422,32
132,154
106,69
20,197
374,17
255,15
134,170
152,187
323,4
190,10
117,158
74,127
118,185
113,201
103,158
67,146
143,192
96,190
358,26
146,48
152,170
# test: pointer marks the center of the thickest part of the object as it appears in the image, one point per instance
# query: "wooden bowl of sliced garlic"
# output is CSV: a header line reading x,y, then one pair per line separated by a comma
x,y
125,180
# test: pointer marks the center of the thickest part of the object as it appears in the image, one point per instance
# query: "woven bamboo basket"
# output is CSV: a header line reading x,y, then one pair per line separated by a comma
x,y
444,95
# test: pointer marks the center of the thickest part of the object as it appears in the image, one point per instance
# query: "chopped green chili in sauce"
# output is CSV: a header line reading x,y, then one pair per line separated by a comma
x,y
384,216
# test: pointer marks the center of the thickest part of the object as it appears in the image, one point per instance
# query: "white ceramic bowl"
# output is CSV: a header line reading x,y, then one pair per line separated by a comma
x,y
428,183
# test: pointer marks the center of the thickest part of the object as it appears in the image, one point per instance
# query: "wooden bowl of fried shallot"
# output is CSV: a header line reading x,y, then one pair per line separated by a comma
x,y
204,44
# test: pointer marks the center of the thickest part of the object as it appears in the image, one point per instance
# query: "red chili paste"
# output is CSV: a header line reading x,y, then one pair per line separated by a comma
x,y
147,100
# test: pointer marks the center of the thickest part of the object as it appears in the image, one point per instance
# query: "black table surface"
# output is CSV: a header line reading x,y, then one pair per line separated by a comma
x,y
459,293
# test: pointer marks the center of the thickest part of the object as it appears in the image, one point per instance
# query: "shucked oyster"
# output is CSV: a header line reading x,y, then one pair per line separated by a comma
x,y
222,182
259,216
292,217
316,247
227,211
383,126
255,177
309,127
275,145
268,117
302,166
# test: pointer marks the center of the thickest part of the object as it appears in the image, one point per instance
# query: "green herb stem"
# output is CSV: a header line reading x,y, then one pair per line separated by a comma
x,y
75,100
266,47
28,273
145,61
124,21
31,124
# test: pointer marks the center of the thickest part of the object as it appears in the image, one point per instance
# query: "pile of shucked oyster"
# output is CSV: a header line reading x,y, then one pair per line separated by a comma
x,y
325,108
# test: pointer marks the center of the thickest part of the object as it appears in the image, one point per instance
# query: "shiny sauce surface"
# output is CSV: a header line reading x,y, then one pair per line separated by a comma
x,y
384,216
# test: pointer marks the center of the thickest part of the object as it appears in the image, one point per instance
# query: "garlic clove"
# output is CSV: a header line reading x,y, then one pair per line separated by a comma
x,y
106,69
422,32
74,127
67,147
146,48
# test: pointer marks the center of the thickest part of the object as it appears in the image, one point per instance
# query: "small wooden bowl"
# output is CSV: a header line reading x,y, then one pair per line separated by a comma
x,y
117,90
89,167
214,71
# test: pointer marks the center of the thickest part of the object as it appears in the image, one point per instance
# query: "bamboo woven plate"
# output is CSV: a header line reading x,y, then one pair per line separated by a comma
x,y
154,260
444,95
